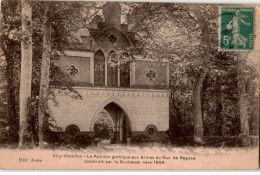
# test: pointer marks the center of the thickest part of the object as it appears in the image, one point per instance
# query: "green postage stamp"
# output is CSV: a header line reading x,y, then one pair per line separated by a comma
x,y
237,28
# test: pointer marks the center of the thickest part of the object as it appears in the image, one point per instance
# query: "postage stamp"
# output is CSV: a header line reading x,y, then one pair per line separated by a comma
x,y
237,28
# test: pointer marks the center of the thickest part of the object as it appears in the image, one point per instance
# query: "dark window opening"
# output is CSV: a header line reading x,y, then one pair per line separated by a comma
x,y
151,131
112,70
72,130
125,75
99,69
112,38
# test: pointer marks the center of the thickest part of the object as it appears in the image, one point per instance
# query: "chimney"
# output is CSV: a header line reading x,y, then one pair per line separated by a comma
x,y
112,13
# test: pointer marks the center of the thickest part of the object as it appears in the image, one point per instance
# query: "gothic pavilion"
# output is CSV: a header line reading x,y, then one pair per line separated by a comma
x,y
136,94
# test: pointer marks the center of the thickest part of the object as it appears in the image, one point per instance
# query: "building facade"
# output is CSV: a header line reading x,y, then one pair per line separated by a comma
x,y
134,93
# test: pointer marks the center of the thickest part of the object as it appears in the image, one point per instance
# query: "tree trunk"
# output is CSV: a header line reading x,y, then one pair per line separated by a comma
x,y
45,69
196,109
11,108
26,70
10,89
243,103
218,109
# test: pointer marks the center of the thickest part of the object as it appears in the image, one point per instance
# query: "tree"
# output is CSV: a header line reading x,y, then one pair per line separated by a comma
x,y
220,99
187,34
103,126
66,17
10,46
26,70
63,18
45,73
196,104
243,103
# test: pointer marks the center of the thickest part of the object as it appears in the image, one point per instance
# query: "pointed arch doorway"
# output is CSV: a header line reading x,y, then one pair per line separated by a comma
x,y
121,123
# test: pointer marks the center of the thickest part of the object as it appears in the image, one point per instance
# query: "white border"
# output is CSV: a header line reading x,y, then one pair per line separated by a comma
x,y
120,172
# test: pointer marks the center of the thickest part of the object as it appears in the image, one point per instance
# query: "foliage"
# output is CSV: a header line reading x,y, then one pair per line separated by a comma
x,y
103,126
66,17
175,32
140,138
171,32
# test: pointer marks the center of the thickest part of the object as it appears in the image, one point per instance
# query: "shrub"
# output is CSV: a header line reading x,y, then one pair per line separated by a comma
x,y
140,138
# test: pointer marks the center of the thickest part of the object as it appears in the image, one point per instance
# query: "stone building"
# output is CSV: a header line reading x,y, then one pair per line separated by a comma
x,y
135,94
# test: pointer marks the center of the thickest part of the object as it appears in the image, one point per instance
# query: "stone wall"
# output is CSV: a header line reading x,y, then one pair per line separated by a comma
x,y
142,107
82,64
157,78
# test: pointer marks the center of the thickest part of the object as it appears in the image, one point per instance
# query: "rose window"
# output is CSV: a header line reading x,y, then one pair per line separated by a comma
x,y
72,70
112,38
150,74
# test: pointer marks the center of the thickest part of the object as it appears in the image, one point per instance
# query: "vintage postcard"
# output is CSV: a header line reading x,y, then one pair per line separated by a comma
x,y
129,85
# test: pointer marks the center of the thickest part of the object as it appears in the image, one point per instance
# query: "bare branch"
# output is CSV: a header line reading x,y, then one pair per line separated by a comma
x,y
78,28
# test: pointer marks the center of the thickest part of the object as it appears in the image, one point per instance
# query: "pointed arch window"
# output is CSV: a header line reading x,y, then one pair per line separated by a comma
x,y
125,71
99,68
112,69
125,74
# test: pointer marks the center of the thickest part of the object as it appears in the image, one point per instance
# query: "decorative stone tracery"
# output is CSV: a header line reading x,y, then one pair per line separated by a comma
x,y
150,74
114,93
72,70
112,38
